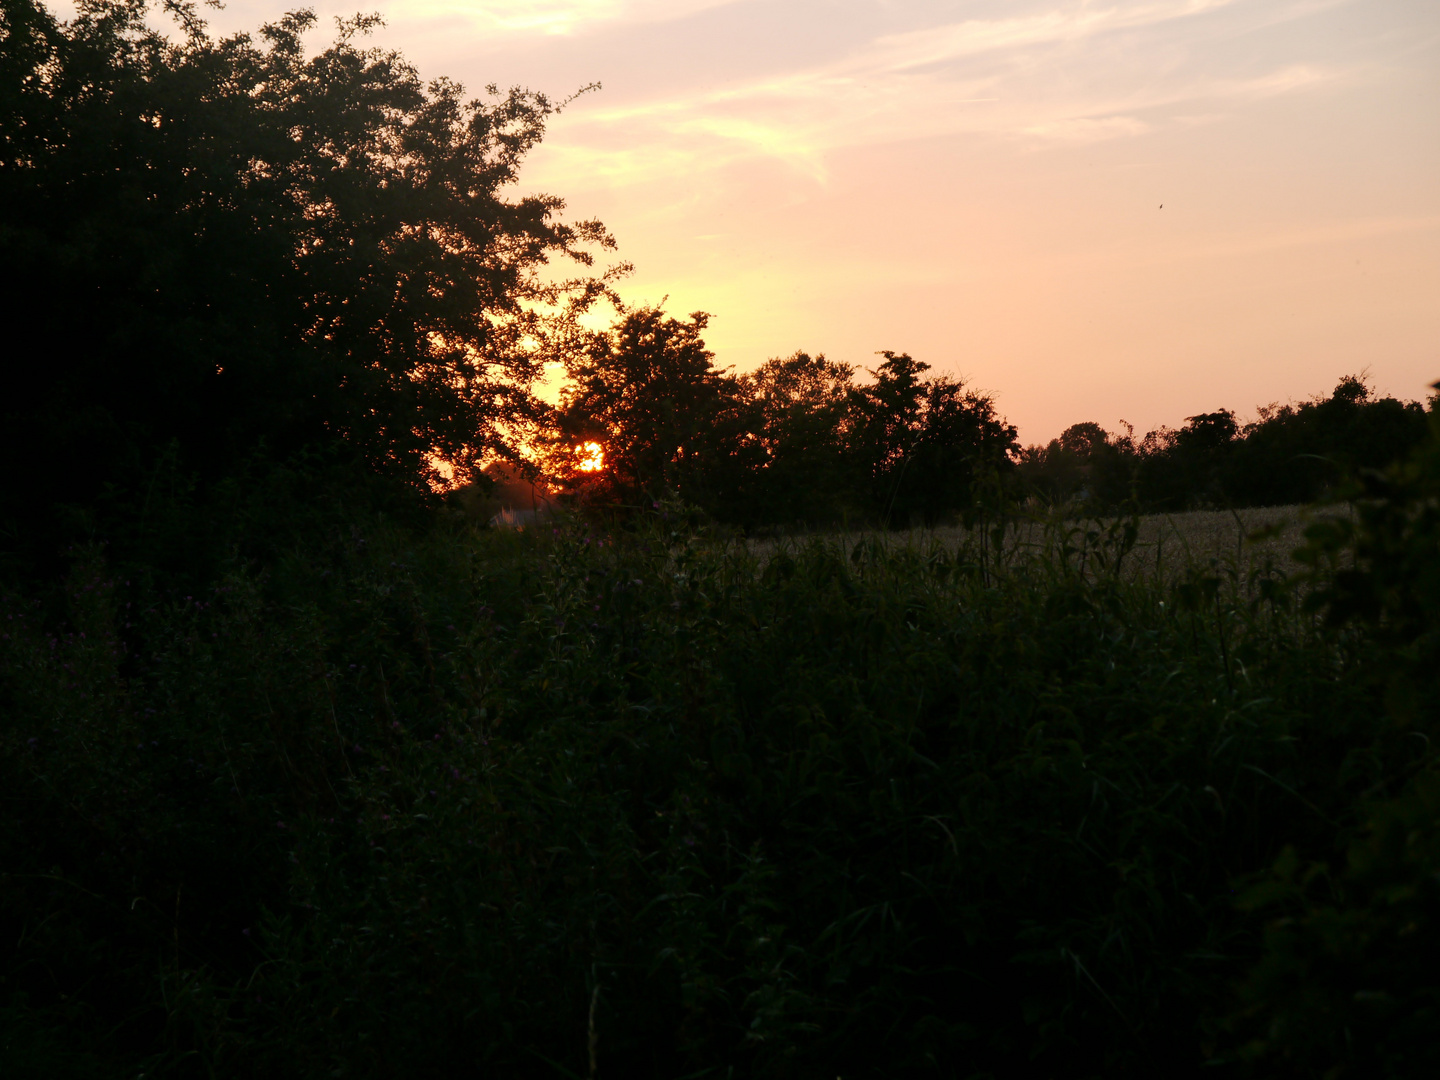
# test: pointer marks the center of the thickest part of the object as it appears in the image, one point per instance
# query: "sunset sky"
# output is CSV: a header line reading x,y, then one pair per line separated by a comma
x,y
980,182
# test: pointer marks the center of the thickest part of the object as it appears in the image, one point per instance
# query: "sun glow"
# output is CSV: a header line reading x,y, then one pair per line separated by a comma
x,y
592,457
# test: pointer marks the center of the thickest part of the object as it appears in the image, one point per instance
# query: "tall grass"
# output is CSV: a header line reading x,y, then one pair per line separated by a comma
x,y
639,801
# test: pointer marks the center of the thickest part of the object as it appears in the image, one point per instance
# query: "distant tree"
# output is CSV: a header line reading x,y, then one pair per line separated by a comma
x,y
1207,432
1288,454
963,442
667,419
1075,466
889,418
1196,460
1292,453
1180,469
214,245
1083,440
924,443
800,407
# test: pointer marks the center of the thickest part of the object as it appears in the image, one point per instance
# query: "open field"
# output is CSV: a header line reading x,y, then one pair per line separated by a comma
x,y
1248,538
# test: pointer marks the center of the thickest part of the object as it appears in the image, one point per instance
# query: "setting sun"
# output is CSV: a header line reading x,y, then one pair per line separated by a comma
x,y
592,457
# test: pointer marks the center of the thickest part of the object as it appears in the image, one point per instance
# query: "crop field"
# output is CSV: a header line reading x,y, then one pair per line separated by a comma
x,y
1249,539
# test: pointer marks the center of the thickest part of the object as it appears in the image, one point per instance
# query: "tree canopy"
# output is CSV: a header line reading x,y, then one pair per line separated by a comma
x,y
216,245
669,420
796,440
926,442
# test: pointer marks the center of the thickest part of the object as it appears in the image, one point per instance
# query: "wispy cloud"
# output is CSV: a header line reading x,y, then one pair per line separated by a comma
x,y
1044,77
935,45
557,17
1086,129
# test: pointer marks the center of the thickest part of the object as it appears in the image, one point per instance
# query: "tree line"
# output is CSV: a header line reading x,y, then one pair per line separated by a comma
x,y
801,439
1290,453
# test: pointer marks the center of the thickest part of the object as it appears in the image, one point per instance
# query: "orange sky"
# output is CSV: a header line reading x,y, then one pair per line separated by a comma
x,y
980,183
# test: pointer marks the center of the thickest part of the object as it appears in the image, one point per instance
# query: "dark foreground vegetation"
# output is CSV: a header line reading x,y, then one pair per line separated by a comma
x,y
304,774
627,801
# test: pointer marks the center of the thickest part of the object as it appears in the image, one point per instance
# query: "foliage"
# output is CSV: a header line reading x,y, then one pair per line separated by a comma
x,y
801,415
668,419
1297,453
796,441
925,443
218,245
1346,986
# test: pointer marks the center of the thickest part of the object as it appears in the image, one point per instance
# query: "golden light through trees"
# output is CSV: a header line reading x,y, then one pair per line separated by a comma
x,y
592,457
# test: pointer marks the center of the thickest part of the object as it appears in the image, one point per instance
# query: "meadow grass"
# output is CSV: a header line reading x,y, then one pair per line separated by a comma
x,y
1248,546
646,801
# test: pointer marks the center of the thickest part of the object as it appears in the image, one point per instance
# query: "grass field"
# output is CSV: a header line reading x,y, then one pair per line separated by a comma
x,y
1246,538
646,802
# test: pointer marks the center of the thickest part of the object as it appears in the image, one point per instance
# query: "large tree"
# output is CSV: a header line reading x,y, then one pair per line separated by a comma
x,y
220,244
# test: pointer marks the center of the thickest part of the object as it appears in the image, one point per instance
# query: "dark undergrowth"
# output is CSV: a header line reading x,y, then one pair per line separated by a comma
x,y
631,802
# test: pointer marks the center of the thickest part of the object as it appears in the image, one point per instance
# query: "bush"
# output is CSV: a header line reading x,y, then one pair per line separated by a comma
x,y
1345,987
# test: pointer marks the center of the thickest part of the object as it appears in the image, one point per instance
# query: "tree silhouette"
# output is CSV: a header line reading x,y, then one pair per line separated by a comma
x,y
1293,453
923,443
890,416
1288,454
219,244
800,410
669,420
